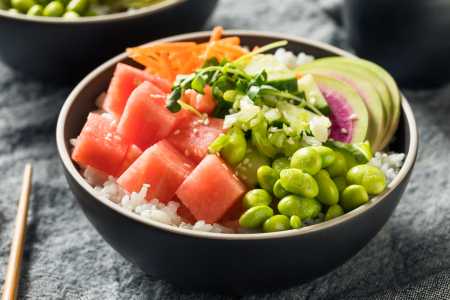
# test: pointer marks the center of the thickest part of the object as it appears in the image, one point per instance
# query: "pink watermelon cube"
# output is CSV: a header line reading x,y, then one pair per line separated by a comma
x,y
161,166
125,80
100,146
211,190
132,155
202,103
193,138
146,120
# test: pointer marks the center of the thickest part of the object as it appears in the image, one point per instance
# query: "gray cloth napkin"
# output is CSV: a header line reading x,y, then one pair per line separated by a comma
x,y
65,258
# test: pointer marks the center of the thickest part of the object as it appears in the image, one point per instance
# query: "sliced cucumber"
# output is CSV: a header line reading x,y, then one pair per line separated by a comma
x,y
313,94
247,172
292,113
352,155
279,76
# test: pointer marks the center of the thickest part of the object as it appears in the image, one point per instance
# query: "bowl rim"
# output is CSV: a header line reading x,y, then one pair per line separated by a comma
x,y
69,165
95,19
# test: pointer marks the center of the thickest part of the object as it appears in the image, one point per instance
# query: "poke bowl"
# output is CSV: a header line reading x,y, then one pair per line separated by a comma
x,y
214,260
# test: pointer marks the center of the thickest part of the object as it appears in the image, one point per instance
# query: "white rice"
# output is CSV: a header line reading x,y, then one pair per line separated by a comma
x,y
290,60
389,163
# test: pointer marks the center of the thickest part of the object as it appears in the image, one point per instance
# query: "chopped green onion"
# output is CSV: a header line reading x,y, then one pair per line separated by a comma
x,y
290,96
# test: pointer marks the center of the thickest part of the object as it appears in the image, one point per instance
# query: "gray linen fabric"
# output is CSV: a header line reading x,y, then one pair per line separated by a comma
x,y
65,258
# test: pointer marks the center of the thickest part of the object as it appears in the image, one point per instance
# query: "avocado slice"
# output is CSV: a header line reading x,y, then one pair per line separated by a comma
x,y
367,92
279,76
352,155
312,91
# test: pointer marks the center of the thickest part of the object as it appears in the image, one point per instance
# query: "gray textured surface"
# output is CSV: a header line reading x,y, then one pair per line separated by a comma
x,y
65,258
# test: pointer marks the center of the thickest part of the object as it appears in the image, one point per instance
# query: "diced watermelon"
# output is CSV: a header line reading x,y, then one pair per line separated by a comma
x,y
184,212
202,103
211,190
133,153
99,146
161,166
125,80
193,139
146,120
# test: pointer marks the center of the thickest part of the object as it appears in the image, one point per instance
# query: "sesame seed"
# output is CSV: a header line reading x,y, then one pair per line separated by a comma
x,y
88,128
221,134
312,93
113,123
157,96
210,150
186,152
195,152
248,151
244,177
312,100
201,121
237,173
290,142
108,139
187,165
225,167
239,165
218,153
137,81
236,178
196,123
331,140
176,132
243,168
109,135
205,115
353,117
343,130
289,158
146,185
117,138
207,121
199,97
195,130
200,154
244,127
249,165
270,136
246,161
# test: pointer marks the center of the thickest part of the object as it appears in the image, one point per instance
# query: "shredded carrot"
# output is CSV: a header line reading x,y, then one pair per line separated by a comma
x,y
187,69
220,47
299,75
199,48
148,62
255,48
216,34
234,40
167,66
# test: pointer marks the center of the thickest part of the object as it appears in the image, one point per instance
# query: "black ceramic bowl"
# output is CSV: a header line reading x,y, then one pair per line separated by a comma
x,y
62,50
223,263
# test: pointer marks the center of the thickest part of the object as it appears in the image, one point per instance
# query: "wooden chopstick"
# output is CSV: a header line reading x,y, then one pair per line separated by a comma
x,y
15,256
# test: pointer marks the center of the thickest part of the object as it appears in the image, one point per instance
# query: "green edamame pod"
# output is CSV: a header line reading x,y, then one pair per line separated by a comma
x,y
235,150
334,211
280,164
299,183
53,9
341,183
369,177
327,155
22,5
277,223
328,192
295,222
317,205
78,6
256,197
279,190
267,177
294,205
338,167
220,142
255,217
35,10
308,160
353,197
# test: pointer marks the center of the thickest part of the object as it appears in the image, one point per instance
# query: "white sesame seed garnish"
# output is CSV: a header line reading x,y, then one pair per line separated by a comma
x,y
244,127
246,161
186,152
199,97
237,173
244,177
196,123
109,135
225,167
290,141
195,130
137,81
312,93
113,123
270,136
249,165
205,115
331,140
239,165
195,152
207,121
176,132
157,96
236,178
221,134
312,100
88,128
218,153
187,165
353,117
200,154
248,151
289,158
243,168
117,138
201,121
343,130
210,150
108,139
146,185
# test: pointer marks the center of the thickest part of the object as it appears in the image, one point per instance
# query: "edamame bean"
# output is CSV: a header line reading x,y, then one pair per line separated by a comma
x,y
324,172
256,197
255,217
295,222
317,207
279,190
333,212
235,150
338,167
35,10
307,159
297,182
64,2
220,142
13,11
53,9
369,177
267,177
328,192
90,13
22,5
277,223
294,205
327,155
353,197
280,164
71,15
341,183
77,6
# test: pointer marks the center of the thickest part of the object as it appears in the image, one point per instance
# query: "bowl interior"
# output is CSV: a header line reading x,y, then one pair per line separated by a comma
x,y
81,102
